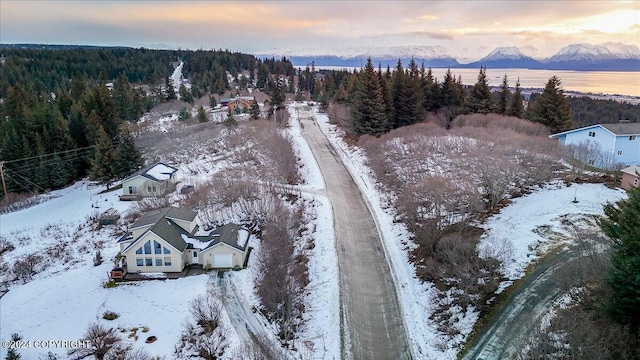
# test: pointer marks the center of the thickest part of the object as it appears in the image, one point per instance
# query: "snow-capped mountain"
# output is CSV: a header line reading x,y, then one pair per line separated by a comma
x,y
607,56
610,56
435,56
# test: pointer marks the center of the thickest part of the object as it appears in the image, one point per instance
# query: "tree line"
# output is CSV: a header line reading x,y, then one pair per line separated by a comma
x,y
66,112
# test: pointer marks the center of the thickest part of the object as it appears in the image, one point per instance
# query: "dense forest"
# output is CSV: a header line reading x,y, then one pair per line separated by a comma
x,y
66,110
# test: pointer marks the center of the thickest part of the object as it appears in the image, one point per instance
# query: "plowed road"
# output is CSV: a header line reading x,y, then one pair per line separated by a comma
x,y
371,326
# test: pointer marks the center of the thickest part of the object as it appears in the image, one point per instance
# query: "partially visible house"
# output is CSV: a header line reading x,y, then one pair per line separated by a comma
x,y
241,102
158,179
109,217
630,177
167,240
604,145
225,102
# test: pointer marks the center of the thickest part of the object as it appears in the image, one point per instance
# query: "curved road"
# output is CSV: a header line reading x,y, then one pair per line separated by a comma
x,y
503,337
372,325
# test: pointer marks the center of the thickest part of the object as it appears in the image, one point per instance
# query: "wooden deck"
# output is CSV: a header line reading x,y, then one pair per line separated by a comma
x,y
187,271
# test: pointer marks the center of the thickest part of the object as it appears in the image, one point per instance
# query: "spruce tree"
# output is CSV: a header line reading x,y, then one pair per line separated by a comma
x,y
516,108
450,91
480,100
622,224
202,115
551,108
171,92
255,110
503,102
368,113
212,101
128,155
103,164
431,101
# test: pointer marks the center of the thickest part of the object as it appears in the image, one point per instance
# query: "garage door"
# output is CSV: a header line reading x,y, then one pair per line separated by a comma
x,y
222,261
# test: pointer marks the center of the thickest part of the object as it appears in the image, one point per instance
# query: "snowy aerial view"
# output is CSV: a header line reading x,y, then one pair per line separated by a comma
x,y
229,180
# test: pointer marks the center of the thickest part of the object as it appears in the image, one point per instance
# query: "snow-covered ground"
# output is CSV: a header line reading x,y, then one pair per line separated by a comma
x,y
534,223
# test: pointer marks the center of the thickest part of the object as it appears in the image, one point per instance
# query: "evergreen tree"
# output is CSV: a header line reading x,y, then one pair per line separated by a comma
x,y
123,97
185,114
255,110
202,115
622,224
480,100
368,113
407,95
516,108
503,102
103,165
551,108
450,91
431,101
212,101
59,172
171,92
128,155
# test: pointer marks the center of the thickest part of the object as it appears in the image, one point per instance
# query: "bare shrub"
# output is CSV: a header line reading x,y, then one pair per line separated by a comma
x,y
205,336
5,246
283,275
97,260
24,269
500,122
102,343
259,348
18,201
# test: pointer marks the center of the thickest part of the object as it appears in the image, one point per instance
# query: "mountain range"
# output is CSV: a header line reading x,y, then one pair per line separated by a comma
x,y
610,56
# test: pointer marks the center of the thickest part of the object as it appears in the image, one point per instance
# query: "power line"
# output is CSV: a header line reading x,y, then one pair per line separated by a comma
x,y
50,154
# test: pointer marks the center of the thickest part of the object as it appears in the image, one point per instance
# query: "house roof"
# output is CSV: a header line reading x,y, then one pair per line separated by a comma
x,y
170,232
230,234
623,128
175,213
632,170
617,129
157,172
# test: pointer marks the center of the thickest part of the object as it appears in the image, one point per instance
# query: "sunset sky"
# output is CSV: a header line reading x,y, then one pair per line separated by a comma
x,y
467,29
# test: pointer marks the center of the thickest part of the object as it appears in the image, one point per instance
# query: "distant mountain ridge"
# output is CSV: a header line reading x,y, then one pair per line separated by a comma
x,y
610,56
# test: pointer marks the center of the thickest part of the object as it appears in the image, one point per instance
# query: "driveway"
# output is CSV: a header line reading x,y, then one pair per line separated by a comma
x,y
372,326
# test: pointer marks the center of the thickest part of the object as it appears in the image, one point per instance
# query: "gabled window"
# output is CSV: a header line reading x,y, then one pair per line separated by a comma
x,y
632,137
139,251
166,251
619,152
157,249
147,247
592,134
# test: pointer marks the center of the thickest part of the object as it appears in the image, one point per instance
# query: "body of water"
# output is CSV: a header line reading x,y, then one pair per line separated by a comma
x,y
596,82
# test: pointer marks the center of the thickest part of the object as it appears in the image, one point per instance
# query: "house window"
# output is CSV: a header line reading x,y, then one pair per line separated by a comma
x,y
147,247
635,182
632,137
139,251
619,152
195,254
148,189
139,262
158,261
592,134
132,190
591,162
153,188
165,250
148,262
167,261
157,249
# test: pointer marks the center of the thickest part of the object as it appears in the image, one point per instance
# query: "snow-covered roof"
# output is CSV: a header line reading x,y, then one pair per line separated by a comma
x,y
160,171
618,129
631,170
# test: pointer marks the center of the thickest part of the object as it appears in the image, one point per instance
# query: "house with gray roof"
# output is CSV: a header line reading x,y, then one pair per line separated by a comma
x,y
155,180
604,145
168,240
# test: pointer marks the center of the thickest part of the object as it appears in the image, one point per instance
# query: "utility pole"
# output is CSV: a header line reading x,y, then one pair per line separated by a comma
x,y
4,184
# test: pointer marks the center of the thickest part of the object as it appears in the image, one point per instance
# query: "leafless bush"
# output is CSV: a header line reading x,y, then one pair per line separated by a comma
x,y
97,260
24,269
5,246
103,344
501,122
18,201
151,203
206,336
259,348
283,275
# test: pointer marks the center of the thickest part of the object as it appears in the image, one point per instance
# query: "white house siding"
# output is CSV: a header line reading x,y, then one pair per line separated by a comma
x,y
206,257
137,232
143,187
175,256
630,147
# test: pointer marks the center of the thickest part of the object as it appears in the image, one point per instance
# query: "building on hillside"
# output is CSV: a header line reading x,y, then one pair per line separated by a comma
x,y
156,180
630,177
604,145
241,102
168,240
